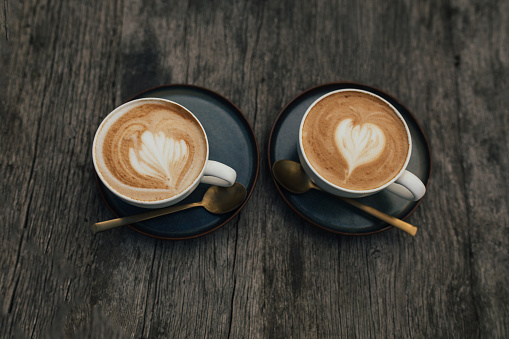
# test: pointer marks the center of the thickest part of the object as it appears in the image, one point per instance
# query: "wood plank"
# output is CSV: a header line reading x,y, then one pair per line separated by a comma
x,y
58,82
482,63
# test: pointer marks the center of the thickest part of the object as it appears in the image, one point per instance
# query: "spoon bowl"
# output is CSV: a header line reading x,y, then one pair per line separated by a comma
x,y
216,200
220,200
292,177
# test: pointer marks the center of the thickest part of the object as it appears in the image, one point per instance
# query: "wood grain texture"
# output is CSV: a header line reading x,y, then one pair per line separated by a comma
x,y
267,274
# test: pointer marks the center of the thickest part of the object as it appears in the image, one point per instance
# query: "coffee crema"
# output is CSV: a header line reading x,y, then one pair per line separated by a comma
x,y
355,140
151,152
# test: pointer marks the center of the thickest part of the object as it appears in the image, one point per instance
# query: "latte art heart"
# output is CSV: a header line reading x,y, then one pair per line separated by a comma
x,y
159,157
354,140
359,144
150,150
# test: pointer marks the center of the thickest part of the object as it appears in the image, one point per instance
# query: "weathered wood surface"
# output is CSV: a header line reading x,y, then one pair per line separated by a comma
x,y
267,274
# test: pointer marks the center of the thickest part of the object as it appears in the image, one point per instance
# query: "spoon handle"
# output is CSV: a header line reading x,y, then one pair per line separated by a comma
x,y
404,226
109,224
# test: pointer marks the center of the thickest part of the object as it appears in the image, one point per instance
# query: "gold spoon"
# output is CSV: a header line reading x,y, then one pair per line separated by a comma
x,y
291,176
216,200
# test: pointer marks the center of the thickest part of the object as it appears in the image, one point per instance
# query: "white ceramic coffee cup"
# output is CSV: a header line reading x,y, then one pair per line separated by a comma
x,y
405,184
213,172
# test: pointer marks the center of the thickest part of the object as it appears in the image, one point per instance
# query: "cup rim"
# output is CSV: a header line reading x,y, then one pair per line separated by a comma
x,y
359,192
152,203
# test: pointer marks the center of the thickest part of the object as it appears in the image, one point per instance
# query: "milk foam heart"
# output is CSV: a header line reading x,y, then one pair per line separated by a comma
x,y
152,151
159,157
354,140
359,144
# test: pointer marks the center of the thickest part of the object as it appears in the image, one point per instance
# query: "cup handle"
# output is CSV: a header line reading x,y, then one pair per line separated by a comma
x,y
218,174
408,186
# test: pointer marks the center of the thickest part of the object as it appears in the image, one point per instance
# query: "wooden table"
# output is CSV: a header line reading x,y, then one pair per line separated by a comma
x,y
267,273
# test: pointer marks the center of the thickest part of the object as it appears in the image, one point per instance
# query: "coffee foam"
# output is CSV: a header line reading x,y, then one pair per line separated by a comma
x,y
151,151
355,140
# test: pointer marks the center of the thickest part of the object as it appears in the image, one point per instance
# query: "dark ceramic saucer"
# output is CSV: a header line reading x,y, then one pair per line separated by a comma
x,y
324,210
231,141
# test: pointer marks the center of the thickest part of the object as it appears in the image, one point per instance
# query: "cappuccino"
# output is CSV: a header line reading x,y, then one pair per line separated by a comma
x,y
355,140
150,151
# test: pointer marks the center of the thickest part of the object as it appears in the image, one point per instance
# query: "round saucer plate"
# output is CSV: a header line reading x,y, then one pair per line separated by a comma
x,y
231,141
324,210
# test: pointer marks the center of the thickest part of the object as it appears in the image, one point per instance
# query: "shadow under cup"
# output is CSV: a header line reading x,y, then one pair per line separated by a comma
x,y
353,140
153,153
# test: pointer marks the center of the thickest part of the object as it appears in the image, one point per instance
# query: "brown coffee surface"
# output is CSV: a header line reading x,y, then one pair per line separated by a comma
x,y
154,151
355,140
